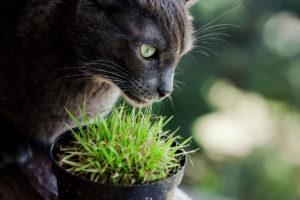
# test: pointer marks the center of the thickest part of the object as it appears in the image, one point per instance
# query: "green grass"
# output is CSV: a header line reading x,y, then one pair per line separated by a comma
x,y
123,149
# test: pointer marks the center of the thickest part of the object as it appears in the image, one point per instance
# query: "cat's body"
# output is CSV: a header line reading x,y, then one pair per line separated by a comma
x,y
53,53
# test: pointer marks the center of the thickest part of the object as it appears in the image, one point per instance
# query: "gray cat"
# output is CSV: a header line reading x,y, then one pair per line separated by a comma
x,y
54,52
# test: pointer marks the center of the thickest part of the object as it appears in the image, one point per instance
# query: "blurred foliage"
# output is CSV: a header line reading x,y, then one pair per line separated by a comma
x,y
260,66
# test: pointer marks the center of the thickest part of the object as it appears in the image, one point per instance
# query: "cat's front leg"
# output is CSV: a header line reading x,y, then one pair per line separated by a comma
x,y
17,146
14,145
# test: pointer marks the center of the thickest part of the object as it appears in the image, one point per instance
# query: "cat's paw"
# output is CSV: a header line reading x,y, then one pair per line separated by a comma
x,y
17,148
15,152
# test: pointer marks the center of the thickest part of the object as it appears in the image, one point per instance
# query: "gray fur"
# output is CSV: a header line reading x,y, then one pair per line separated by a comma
x,y
54,52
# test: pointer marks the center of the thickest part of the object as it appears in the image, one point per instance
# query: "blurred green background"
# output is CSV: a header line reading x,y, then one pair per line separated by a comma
x,y
243,106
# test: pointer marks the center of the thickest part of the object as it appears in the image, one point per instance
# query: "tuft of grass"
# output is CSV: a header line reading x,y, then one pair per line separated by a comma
x,y
123,149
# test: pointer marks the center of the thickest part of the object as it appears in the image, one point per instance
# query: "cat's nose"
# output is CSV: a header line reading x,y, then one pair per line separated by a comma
x,y
164,91
165,87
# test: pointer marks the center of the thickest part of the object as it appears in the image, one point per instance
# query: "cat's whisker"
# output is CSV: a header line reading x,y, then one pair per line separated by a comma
x,y
179,73
171,100
215,39
116,74
218,25
160,106
211,30
178,87
218,18
114,79
165,102
200,51
89,79
123,87
174,93
192,57
104,85
172,103
180,82
123,73
120,72
72,76
107,66
102,70
133,86
124,90
114,64
213,34
209,50
80,79
205,43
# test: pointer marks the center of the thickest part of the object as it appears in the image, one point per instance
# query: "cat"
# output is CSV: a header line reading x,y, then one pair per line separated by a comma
x,y
54,53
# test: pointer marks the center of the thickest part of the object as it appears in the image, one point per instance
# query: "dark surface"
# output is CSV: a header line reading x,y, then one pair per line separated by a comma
x,y
71,187
32,180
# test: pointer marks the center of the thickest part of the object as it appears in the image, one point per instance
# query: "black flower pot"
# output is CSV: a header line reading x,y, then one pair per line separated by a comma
x,y
72,187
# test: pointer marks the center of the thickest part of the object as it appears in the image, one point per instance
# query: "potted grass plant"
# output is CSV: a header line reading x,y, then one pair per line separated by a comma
x,y
120,157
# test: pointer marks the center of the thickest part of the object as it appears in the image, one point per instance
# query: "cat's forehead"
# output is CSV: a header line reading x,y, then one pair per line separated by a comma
x,y
167,21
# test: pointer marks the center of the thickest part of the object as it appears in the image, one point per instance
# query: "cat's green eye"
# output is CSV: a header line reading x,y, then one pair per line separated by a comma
x,y
147,50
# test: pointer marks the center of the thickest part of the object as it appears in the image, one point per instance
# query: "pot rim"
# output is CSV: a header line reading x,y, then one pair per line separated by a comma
x,y
107,184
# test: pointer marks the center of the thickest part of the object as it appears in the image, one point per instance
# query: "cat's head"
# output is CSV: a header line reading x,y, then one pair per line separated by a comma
x,y
136,44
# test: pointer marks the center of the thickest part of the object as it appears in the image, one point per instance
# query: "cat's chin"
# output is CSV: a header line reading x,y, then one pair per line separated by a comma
x,y
136,101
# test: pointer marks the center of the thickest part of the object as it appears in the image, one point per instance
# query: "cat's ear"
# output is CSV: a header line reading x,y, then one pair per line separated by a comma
x,y
189,3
